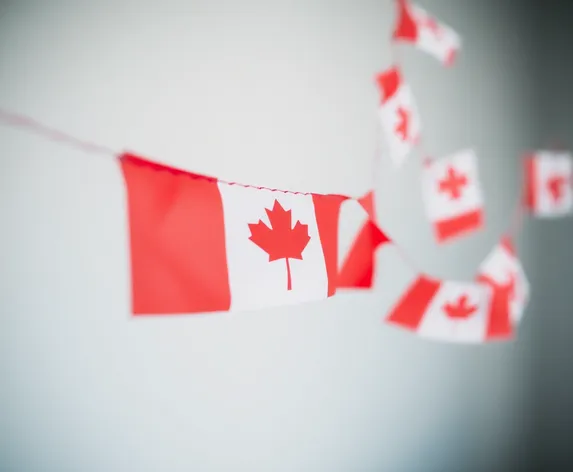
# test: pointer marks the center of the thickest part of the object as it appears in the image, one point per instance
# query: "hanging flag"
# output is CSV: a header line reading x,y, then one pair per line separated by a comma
x,y
416,26
201,245
444,310
503,272
452,195
398,115
358,265
548,183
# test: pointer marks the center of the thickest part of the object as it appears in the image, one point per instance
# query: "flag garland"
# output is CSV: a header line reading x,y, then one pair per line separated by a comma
x,y
200,244
491,307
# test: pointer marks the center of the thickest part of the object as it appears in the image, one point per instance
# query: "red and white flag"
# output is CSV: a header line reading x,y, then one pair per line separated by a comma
x,y
416,26
503,271
549,183
201,245
444,310
357,270
452,195
399,116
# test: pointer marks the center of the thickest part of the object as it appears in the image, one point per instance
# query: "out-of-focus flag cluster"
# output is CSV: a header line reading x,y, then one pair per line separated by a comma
x,y
200,244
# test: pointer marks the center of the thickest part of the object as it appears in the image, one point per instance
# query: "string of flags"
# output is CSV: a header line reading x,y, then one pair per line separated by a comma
x,y
199,244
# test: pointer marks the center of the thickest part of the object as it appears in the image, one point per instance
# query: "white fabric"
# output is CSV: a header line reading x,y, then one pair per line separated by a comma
x,y
389,119
254,281
500,265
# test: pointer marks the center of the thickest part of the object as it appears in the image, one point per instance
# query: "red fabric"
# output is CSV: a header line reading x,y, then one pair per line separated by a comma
x,y
327,211
499,321
367,202
177,240
448,229
406,28
451,58
507,244
530,190
388,83
411,308
358,268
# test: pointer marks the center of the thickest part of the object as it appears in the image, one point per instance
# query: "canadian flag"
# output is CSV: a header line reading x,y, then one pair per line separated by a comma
x,y
548,183
444,310
418,27
502,270
358,263
201,245
452,195
399,116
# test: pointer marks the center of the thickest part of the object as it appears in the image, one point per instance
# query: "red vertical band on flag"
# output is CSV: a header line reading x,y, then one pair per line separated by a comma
x,y
327,211
451,57
388,83
507,244
530,183
411,308
406,27
177,239
358,268
499,321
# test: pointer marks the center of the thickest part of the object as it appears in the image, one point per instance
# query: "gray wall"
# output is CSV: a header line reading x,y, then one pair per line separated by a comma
x,y
280,94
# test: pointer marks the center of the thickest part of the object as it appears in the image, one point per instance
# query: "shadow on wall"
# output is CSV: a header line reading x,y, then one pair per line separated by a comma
x,y
552,308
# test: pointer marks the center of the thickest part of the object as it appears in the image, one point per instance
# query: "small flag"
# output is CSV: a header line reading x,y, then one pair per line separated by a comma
x,y
548,184
398,115
503,271
452,195
416,26
444,310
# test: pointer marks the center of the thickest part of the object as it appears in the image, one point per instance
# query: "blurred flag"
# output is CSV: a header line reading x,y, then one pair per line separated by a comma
x,y
452,195
399,116
503,272
444,310
416,26
549,183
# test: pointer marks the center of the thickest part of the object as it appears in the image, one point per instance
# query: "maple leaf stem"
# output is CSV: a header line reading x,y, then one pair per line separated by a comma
x,y
289,281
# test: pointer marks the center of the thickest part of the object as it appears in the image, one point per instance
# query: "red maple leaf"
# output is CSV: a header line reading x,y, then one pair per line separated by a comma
x,y
280,241
403,123
433,26
453,183
460,309
555,186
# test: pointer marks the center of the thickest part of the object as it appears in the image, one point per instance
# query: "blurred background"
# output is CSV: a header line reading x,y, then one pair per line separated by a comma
x,y
276,93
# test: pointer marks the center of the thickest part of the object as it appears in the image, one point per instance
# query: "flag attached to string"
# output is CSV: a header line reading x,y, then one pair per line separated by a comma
x,y
452,195
357,270
503,272
399,116
444,310
201,245
549,184
416,26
